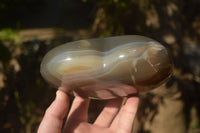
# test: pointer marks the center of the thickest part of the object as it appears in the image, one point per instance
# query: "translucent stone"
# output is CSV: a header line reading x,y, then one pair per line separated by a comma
x,y
107,68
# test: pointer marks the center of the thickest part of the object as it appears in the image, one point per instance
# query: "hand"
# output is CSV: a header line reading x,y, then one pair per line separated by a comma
x,y
112,119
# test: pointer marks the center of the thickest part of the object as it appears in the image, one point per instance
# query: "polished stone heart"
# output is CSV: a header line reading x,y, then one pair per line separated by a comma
x,y
107,68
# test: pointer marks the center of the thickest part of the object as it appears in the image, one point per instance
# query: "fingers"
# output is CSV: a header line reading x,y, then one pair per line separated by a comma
x,y
53,118
78,113
109,112
127,115
77,117
115,122
123,122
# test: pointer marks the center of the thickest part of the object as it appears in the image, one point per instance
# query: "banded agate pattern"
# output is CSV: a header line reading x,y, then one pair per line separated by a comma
x,y
107,68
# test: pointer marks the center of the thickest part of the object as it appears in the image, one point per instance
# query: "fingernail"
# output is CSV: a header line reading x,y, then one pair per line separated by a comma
x,y
61,95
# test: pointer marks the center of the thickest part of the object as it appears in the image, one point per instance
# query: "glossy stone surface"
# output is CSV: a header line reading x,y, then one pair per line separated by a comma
x,y
107,68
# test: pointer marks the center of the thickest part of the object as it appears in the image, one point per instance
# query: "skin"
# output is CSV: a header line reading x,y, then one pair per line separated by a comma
x,y
114,118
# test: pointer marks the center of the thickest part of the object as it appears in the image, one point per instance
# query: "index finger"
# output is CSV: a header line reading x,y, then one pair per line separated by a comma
x,y
53,118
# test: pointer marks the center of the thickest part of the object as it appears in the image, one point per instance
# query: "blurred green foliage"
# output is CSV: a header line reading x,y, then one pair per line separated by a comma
x,y
9,35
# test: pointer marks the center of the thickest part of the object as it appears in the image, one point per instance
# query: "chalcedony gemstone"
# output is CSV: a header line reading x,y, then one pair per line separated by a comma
x,y
108,68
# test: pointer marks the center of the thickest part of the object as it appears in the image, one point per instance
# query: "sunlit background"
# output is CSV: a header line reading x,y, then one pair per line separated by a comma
x,y
30,28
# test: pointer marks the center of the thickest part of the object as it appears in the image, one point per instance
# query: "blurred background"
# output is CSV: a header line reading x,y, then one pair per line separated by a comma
x,y
30,28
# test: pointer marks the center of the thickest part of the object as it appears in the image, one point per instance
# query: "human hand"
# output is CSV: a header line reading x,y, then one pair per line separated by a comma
x,y
112,119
